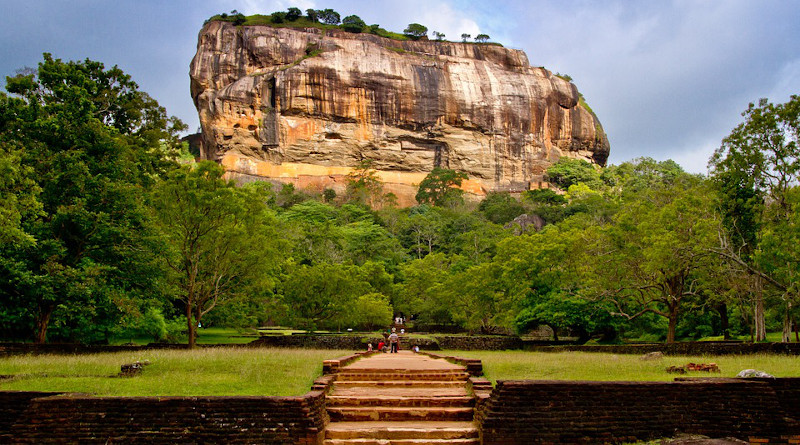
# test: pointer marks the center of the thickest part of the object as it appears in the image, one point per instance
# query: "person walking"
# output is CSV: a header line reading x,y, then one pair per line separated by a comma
x,y
394,340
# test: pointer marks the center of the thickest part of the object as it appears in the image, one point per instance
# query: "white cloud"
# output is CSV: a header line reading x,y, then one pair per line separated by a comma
x,y
443,18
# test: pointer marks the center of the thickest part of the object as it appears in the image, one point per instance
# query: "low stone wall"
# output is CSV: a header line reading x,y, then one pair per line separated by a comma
x,y
167,420
526,412
482,343
75,348
358,342
351,342
687,348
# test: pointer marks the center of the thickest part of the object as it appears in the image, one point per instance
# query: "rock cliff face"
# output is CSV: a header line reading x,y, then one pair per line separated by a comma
x,y
306,105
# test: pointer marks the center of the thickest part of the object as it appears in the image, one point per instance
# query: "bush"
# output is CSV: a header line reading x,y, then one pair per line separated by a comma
x,y
278,17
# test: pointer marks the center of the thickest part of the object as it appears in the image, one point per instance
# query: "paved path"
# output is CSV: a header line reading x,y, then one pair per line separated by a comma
x,y
401,399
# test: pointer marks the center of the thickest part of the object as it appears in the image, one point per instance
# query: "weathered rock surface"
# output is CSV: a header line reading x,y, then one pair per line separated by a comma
x,y
304,106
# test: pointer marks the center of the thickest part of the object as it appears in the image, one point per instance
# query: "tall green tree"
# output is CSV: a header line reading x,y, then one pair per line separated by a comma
x,y
656,251
321,295
754,169
221,239
87,144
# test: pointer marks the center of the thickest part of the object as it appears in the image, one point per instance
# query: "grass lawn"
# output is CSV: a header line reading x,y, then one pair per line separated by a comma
x,y
511,365
213,371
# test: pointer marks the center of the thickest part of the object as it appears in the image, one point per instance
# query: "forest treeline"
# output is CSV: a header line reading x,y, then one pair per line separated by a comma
x,y
108,228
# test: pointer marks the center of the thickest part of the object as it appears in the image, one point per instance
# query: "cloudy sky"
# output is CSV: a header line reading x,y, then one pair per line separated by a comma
x,y
667,78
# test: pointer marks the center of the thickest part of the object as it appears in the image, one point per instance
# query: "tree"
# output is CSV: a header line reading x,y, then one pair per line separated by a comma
x,y
482,38
370,312
315,296
500,208
364,185
293,14
312,15
18,189
329,16
85,142
440,187
221,241
238,18
353,23
423,291
439,35
465,37
423,230
567,172
416,31
755,169
656,251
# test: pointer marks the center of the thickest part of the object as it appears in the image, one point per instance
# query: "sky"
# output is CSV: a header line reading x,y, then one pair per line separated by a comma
x,y
668,79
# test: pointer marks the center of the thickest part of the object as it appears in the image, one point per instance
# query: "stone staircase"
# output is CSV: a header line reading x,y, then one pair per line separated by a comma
x,y
401,399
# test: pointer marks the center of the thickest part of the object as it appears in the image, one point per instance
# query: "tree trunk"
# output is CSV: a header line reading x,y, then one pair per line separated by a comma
x,y
191,326
673,322
759,325
555,332
724,323
42,322
786,335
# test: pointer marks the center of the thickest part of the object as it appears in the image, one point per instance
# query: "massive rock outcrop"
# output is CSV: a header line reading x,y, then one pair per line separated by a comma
x,y
307,105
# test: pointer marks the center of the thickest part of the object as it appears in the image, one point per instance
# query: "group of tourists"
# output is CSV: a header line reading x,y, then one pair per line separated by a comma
x,y
391,343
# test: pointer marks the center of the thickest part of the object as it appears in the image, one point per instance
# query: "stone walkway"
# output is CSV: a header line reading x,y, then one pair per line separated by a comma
x,y
401,399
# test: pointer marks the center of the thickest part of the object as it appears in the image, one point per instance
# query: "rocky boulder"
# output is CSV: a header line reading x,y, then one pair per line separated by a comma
x,y
306,105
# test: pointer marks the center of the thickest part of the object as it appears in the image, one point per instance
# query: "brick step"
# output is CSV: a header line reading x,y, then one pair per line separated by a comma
x,y
399,383
364,376
376,413
440,431
475,441
401,391
455,370
400,401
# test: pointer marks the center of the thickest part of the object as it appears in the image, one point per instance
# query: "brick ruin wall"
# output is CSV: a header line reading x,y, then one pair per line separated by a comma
x,y
529,412
514,412
71,418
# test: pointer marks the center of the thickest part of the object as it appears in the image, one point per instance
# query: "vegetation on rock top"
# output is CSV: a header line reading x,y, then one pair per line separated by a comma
x,y
326,19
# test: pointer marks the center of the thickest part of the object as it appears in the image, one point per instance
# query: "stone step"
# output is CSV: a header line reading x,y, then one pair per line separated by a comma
x,y
382,413
433,375
475,441
430,431
400,401
399,383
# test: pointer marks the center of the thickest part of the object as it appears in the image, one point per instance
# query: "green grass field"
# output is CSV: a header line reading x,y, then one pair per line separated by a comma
x,y
511,365
212,371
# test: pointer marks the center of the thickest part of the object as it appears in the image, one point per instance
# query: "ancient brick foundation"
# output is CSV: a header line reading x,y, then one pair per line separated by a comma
x,y
526,412
514,412
73,418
